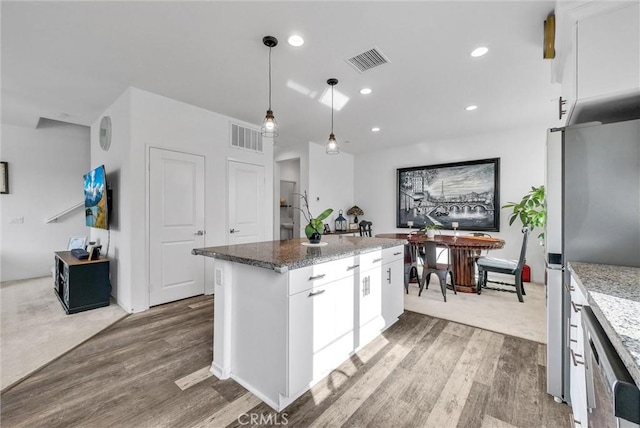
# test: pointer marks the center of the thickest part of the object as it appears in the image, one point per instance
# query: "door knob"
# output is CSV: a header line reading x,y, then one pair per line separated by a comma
x,y
199,233
234,231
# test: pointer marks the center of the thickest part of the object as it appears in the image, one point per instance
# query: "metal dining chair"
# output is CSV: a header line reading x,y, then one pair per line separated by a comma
x,y
411,250
431,265
509,267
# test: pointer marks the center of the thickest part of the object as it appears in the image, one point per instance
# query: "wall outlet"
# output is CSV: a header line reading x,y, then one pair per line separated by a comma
x,y
219,277
17,220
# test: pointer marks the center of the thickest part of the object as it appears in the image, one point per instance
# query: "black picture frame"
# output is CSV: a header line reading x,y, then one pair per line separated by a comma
x,y
4,178
464,192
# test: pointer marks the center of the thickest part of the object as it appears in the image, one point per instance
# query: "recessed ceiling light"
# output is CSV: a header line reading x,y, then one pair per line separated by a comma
x,y
479,51
470,108
365,91
296,40
375,129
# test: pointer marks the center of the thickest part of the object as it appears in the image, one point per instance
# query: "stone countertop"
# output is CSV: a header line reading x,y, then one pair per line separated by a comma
x,y
288,254
613,292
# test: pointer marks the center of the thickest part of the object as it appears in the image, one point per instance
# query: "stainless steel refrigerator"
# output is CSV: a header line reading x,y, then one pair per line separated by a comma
x,y
593,215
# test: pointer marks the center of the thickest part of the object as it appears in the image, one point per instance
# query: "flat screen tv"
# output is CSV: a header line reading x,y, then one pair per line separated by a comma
x,y
96,201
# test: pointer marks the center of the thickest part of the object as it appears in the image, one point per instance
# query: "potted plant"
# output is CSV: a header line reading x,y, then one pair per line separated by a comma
x,y
531,210
431,229
315,226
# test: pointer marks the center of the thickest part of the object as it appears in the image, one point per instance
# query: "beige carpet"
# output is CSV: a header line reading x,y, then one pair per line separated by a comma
x,y
497,311
36,330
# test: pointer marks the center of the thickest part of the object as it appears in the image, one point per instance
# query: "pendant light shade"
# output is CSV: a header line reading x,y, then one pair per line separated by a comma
x,y
332,144
269,125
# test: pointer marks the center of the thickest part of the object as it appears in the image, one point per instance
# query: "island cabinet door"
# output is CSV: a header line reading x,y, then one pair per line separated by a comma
x,y
321,332
370,304
392,291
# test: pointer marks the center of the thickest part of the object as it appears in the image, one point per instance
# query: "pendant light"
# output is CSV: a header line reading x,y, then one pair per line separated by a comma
x,y
269,125
332,144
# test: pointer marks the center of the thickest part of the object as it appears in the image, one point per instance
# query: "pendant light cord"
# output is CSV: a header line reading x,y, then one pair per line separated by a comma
x,y
332,108
269,78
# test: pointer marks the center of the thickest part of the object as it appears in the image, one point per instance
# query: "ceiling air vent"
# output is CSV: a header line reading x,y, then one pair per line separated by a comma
x,y
368,60
246,138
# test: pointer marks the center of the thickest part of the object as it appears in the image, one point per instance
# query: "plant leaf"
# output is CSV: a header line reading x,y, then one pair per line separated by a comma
x,y
326,213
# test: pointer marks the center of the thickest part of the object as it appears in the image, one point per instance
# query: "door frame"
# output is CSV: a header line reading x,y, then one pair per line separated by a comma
x,y
147,218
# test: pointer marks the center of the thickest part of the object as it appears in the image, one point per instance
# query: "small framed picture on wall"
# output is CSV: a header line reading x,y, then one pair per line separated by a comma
x,y
4,177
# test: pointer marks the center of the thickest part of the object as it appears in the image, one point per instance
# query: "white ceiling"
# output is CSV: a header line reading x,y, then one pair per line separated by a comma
x,y
76,58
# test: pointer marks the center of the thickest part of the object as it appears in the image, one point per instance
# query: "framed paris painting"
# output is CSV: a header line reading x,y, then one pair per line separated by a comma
x,y
466,194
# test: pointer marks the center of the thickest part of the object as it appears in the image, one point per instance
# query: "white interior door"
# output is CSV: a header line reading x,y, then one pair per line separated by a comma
x,y
176,225
246,203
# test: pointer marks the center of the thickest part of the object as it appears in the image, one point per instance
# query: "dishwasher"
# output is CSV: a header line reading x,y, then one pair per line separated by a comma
x,y
613,398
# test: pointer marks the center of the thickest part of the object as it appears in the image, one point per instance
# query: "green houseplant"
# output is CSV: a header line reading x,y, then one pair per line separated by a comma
x,y
430,230
314,228
531,210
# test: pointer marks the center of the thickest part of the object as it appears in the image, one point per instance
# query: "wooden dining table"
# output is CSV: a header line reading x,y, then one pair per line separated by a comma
x,y
463,251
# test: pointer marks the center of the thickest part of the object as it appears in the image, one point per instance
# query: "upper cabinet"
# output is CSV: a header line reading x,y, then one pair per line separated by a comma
x,y
608,54
597,51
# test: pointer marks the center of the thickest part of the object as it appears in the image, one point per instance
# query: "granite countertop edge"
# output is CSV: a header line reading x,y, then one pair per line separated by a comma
x,y
296,264
598,292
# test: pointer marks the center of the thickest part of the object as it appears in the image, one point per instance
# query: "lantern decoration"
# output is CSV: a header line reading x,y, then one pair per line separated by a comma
x,y
341,223
355,211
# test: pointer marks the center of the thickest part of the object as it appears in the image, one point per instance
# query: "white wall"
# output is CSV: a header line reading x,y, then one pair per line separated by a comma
x,y
157,121
331,182
118,239
522,163
46,166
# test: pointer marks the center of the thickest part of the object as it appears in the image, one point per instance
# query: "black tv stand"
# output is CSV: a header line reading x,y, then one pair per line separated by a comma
x,y
81,285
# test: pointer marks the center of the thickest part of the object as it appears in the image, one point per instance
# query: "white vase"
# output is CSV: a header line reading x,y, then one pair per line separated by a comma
x,y
431,233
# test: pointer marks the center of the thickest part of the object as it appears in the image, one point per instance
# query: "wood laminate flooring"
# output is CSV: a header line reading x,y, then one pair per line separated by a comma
x,y
151,370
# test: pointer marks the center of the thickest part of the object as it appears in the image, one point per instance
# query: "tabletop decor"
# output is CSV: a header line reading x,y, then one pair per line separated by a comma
x,y
315,226
466,193
355,211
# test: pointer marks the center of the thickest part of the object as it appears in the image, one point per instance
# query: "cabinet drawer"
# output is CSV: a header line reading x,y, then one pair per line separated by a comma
x,y
371,259
323,273
390,255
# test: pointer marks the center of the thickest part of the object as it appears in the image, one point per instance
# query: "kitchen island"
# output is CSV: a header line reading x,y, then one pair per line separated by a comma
x,y
286,314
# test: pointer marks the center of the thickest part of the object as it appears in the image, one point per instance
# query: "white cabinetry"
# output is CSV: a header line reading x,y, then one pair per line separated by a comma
x,y
370,297
321,333
608,54
277,334
392,285
597,52
577,378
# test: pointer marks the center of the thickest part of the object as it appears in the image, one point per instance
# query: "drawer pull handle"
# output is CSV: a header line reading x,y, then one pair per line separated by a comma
x,y
352,267
576,307
389,275
313,278
397,254
315,293
575,361
377,260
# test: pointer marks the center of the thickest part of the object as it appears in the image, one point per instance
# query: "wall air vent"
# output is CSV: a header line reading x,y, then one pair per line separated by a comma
x,y
368,60
246,138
